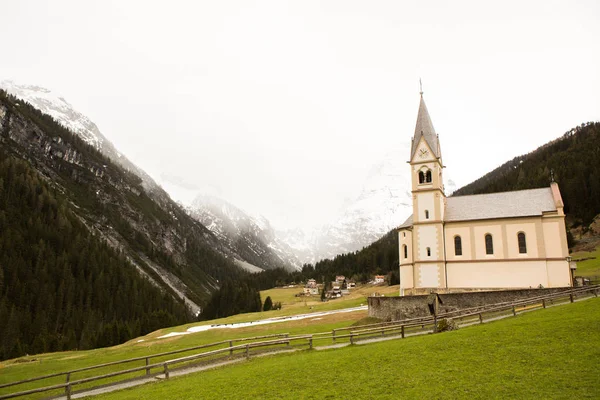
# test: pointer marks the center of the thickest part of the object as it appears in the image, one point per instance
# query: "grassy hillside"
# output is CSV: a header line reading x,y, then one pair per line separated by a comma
x,y
42,364
549,354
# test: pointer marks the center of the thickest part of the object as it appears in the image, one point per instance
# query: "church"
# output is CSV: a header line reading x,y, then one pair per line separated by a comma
x,y
493,241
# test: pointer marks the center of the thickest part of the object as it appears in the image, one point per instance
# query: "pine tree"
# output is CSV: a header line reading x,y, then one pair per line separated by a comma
x,y
268,304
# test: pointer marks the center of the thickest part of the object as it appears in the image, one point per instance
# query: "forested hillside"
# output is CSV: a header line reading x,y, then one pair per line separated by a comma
x,y
574,158
156,234
381,257
89,255
62,287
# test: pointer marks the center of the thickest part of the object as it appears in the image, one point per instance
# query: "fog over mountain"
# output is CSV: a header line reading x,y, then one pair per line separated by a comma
x,y
383,203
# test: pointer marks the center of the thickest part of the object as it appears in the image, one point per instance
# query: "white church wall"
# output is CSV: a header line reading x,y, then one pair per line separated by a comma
x,y
465,236
427,236
508,274
406,277
555,244
479,232
405,239
531,240
425,201
429,276
559,274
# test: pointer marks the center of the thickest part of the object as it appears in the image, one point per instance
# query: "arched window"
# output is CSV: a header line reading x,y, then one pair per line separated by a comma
x,y
457,246
428,252
428,176
489,244
522,243
405,247
421,177
426,214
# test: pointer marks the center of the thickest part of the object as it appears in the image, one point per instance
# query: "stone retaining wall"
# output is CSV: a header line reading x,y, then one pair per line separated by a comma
x,y
398,308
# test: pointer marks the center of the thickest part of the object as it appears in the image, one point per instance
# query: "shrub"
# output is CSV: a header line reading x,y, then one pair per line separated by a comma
x,y
446,324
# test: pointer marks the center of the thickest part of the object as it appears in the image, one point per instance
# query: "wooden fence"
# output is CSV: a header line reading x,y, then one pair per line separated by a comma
x,y
227,349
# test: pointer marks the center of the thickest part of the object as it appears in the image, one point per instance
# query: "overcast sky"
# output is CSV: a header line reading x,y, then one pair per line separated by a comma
x,y
283,107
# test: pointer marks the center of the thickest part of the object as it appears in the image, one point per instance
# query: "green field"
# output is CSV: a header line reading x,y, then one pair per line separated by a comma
x,y
550,353
42,364
590,266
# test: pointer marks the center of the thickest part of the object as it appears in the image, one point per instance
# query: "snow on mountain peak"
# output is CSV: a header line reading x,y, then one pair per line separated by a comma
x,y
58,108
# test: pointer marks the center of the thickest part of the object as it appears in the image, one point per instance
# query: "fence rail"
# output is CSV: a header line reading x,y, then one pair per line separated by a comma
x,y
397,328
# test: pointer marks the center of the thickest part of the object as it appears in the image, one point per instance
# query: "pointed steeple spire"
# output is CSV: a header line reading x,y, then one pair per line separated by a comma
x,y
425,129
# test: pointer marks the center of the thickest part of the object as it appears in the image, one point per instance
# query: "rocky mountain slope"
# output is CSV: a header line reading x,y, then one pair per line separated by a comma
x,y
244,248
62,112
384,202
173,250
252,238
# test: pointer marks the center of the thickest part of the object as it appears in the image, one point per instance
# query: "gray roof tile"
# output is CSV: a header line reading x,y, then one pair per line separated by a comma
x,y
521,203
425,128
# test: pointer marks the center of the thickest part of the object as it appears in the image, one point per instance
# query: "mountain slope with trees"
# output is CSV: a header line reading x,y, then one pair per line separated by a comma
x,y
61,286
149,234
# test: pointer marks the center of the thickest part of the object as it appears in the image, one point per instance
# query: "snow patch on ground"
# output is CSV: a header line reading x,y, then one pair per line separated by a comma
x,y
204,328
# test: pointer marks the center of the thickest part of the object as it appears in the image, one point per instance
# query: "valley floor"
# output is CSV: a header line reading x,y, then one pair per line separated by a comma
x,y
550,353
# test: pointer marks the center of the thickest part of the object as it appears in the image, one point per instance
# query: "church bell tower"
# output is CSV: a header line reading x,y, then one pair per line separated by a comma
x,y
428,204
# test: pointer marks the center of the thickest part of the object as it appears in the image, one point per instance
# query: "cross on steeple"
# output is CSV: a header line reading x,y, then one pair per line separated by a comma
x,y
420,88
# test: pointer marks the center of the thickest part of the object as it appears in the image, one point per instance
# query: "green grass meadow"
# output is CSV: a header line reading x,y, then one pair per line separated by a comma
x,y
590,266
43,364
545,354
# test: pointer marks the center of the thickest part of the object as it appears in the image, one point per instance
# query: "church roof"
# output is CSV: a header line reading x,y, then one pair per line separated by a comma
x,y
408,223
521,203
424,128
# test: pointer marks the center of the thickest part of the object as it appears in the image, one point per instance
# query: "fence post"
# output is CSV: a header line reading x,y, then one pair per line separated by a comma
x,y
231,347
515,311
68,387
247,351
310,344
402,331
333,335
147,363
287,335
382,330
351,338
571,297
480,319
166,370
544,303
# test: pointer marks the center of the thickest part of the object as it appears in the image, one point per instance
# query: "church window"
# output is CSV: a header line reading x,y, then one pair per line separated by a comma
x,y
522,243
426,214
489,244
428,176
457,246
405,251
428,252
421,177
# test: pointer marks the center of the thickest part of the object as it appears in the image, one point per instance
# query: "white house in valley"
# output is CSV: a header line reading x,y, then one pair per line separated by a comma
x,y
492,241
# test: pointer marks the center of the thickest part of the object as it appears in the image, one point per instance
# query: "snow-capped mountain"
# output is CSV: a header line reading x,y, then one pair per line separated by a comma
x,y
58,108
384,203
253,239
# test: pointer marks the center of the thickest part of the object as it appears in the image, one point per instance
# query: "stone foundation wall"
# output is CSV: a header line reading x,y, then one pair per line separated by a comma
x,y
398,308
